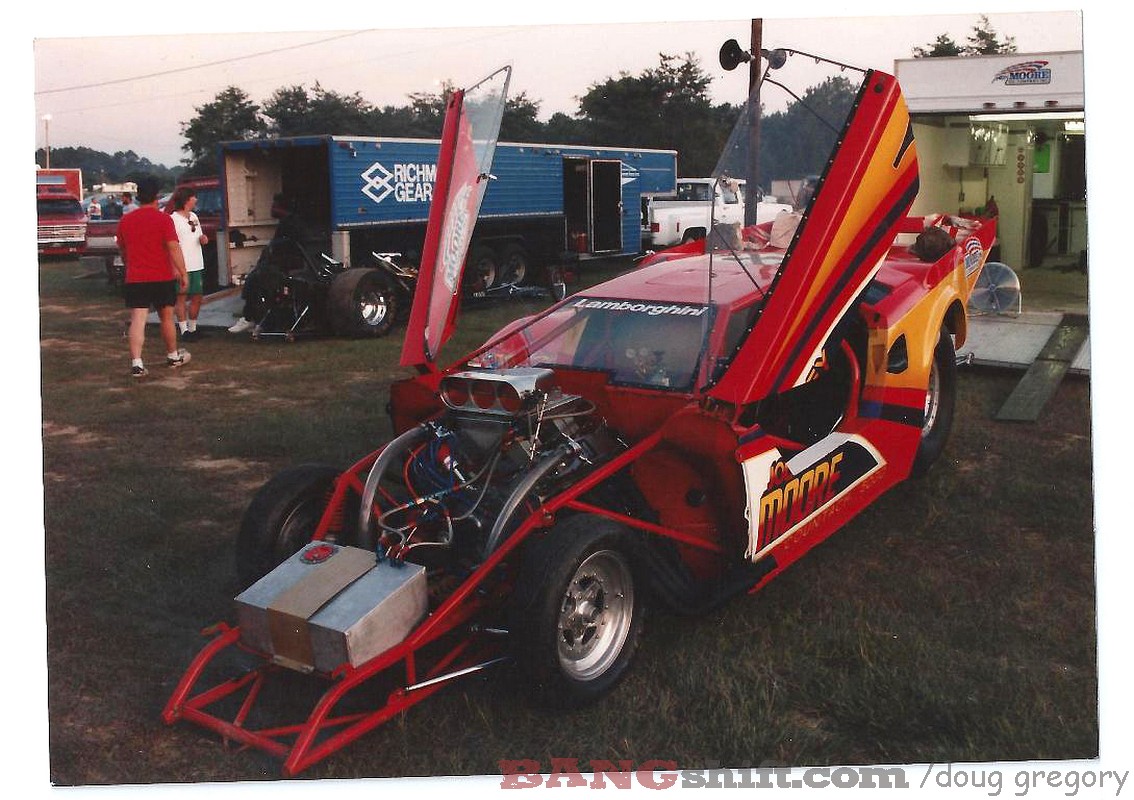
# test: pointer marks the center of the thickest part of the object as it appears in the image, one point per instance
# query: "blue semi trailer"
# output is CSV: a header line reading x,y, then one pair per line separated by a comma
x,y
548,202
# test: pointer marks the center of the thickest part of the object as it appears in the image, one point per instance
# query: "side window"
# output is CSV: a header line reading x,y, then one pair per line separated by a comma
x,y
698,192
730,197
739,323
208,201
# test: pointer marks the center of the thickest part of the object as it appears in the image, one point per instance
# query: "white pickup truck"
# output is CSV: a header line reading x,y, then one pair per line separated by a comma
x,y
667,221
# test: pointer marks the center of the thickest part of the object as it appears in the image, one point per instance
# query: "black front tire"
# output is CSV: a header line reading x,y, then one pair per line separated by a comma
x,y
577,611
362,303
940,405
281,518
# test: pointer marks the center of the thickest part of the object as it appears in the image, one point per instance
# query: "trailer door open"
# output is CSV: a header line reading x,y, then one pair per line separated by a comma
x,y
606,207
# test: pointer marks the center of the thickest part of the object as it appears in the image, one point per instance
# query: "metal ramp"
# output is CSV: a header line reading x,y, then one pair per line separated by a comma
x,y
1046,345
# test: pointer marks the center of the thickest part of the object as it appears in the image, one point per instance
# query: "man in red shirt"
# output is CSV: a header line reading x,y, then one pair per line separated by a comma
x,y
155,270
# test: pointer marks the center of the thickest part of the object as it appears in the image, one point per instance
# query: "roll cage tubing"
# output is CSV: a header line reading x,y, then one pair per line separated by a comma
x,y
476,650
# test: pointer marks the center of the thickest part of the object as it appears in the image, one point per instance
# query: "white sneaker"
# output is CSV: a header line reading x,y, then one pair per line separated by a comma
x,y
242,325
181,360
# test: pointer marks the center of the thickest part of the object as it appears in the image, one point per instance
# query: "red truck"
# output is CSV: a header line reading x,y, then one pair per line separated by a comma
x,y
62,222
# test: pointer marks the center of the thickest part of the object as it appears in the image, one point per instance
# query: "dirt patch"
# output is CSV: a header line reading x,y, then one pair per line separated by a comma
x,y
72,434
234,465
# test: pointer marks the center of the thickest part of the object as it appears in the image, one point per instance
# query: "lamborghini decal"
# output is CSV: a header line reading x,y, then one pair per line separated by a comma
x,y
650,309
783,495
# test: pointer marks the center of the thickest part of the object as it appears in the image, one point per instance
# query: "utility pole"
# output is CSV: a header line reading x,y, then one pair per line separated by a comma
x,y
47,141
752,192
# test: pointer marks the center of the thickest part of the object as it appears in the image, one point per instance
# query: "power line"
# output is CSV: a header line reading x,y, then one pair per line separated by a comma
x,y
200,66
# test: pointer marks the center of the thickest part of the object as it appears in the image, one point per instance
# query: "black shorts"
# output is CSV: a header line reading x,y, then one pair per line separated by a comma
x,y
150,294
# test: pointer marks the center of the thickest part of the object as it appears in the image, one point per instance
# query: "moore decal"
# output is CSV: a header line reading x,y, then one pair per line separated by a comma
x,y
785,494
1026,73
408,183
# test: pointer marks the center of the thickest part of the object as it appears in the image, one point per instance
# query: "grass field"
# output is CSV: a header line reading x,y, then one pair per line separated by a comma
x,y
953,621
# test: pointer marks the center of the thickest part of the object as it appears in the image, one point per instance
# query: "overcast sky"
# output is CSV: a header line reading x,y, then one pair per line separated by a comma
x,y
113,92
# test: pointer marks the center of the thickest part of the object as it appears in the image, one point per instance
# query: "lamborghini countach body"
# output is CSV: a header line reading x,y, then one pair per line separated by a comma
x,y
681,433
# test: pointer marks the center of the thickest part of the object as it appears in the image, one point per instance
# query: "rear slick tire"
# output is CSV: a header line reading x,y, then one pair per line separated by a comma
x,y
577,612
362,303
940,404
482,269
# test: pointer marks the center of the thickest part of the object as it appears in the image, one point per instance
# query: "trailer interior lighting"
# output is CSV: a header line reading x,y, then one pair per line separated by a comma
x,y
1038,116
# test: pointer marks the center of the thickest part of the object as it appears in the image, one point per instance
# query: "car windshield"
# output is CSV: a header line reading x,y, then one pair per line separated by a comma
x,y
804,104
659,344
636,343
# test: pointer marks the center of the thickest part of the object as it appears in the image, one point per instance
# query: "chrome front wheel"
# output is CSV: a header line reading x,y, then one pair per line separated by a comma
x,y
577,610
596,615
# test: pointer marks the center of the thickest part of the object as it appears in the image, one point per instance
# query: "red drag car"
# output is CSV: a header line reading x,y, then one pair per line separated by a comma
x,y
678,435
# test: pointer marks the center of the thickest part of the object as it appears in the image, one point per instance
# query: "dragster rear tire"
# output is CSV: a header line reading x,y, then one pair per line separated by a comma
x,y
482,269
940,405
515,266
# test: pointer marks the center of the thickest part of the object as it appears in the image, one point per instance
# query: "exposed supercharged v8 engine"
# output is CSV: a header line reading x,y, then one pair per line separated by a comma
x,y
508,438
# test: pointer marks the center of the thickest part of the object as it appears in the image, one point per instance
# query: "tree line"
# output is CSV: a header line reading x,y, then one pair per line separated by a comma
x,y
663,107
99,167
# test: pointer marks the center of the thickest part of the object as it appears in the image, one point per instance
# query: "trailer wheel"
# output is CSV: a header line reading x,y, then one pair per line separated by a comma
x,y
515,265
482,269
940,400
115,272
557,282
361,302
577,611
281,518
